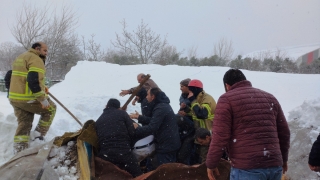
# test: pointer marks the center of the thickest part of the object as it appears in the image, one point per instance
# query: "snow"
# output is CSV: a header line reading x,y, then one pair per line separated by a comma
x,y
89,85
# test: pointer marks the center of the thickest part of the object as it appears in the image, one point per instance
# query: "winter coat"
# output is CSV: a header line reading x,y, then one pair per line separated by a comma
x,y
184,99
203,109
185,123
162,125
147,85
314,156
28,78
115,131
251,124
145,106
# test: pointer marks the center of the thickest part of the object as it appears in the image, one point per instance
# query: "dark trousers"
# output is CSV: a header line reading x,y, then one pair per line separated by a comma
x,y
126,162
161,158
185,151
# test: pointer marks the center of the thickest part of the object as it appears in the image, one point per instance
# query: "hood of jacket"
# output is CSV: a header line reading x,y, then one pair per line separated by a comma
x,y
161,98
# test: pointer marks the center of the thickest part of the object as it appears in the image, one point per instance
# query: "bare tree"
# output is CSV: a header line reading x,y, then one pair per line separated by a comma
x,y
167,55
224,49
192,52
92,51
8,53
31,25
55,28
143,43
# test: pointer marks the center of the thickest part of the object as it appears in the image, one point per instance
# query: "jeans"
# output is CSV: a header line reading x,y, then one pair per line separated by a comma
x,y
272,173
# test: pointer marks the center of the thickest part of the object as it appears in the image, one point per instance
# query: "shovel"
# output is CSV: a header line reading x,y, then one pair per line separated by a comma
x,y
65,108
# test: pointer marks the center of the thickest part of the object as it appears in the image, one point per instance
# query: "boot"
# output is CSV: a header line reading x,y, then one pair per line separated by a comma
x,y
20,146
36,135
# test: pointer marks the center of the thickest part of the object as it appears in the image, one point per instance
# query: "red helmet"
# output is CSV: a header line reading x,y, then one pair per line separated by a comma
x,y
195,83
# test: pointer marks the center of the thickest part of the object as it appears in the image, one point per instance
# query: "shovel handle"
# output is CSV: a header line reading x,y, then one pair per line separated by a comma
x,y
65,108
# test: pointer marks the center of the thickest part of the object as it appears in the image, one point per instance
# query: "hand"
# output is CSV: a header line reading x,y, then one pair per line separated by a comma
x,y
182,105
134,115
284,168
46,90
190,94
45,104
135,125
124,92
212,172
314,168
182,113
134,102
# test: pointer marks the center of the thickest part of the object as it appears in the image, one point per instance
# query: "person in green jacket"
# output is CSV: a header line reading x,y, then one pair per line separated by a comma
x,y
28,95
203,107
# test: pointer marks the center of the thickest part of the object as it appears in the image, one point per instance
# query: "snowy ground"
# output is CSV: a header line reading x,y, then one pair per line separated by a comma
x,y
88,86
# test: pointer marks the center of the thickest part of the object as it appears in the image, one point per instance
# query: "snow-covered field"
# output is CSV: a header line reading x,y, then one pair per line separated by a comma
x,y
88,86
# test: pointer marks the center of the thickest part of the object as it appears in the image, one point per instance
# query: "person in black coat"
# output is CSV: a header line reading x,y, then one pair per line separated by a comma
x,y
145,105
186,125
115,131
314,156
162,125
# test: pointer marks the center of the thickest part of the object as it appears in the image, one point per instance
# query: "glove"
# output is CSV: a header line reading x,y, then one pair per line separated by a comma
x,y
45,104
46,90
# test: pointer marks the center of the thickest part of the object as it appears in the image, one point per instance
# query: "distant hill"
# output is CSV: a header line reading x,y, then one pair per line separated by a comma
x,y
291,52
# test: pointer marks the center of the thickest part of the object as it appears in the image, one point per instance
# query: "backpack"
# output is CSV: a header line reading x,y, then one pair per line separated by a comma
x,y
7,79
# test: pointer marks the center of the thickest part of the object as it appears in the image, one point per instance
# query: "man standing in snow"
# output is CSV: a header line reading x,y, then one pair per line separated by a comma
x,y
162,125
250,124
28,96
115,131
203,108
146,86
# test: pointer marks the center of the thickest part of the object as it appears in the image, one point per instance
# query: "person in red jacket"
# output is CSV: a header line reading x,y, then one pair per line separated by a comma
x,y
249,123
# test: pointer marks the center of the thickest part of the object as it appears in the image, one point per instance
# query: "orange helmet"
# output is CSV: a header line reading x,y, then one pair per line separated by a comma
x,y
195,83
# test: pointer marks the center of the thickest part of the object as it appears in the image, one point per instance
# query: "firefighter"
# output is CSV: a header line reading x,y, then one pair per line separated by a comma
x,y
28,96
203,107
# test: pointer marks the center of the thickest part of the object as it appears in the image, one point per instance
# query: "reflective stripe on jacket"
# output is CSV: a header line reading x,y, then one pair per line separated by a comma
x,y
206,101
26,64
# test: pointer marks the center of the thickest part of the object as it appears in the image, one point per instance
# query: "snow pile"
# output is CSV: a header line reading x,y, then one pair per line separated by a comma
x,y
304,127
64,161
308,114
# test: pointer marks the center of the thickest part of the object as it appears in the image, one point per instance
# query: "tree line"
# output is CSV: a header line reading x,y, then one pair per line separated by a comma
x,y
141,46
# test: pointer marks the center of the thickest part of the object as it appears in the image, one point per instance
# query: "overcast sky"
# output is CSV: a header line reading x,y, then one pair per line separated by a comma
x,y
250,24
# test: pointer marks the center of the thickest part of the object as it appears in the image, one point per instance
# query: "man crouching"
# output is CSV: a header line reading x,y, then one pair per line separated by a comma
x,y
115,130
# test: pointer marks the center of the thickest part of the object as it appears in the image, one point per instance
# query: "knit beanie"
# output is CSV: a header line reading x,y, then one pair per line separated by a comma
x,y
113,103
314,156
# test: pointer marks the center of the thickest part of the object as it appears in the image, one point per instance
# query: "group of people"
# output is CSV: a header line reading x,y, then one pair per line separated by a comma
x,y
246,126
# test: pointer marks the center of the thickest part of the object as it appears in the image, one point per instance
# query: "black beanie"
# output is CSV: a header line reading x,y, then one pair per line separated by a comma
x,y
314,156
115,103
